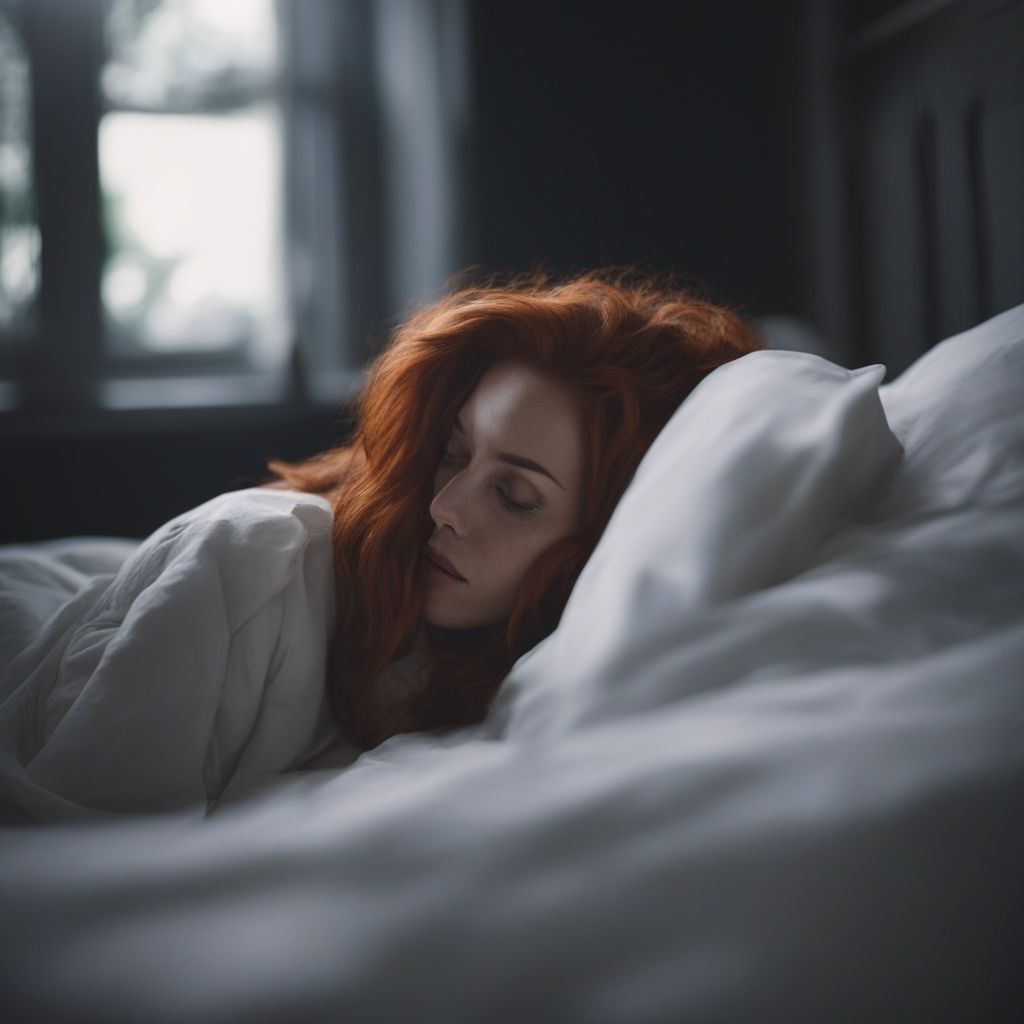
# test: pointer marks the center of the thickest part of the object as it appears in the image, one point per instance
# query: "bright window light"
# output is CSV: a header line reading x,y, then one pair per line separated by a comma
x,y
191,173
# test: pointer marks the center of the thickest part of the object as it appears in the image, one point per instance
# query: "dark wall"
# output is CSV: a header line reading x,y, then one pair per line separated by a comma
x,y
125,475
656,132
933,155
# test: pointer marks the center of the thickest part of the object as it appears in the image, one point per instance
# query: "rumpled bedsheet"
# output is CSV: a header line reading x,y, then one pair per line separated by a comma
x,y
147,677
728,828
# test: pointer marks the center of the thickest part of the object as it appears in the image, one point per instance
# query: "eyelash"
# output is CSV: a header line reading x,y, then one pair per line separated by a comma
x,y
513,506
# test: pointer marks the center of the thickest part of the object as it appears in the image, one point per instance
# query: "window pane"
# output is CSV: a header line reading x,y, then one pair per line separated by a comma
x,y
19,233
175,53
192,189
191,205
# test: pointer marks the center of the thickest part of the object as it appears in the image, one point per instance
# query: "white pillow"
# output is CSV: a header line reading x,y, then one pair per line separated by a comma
x,y
959,412
769,455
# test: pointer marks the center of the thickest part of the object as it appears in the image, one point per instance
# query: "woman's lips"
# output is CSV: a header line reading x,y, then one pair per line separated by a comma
x,y
439,561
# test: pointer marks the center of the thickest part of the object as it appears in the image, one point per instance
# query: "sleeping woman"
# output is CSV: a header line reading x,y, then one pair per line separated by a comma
x,y
494,438
497,431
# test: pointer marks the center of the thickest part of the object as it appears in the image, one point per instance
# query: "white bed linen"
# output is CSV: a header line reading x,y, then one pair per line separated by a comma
x,y
36,579
770,455
161,672
821,821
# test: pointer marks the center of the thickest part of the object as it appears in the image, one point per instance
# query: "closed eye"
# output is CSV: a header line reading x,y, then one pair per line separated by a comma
x,y
449,458
515,506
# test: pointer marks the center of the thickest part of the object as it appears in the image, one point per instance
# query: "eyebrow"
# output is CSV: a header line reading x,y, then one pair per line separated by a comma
x,y
514,460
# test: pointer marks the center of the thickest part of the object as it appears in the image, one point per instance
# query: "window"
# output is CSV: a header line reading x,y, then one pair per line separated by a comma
x,y
144,235
19,231
215,201
190,158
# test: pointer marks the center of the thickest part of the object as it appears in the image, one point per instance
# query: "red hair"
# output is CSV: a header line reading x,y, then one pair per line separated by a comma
x,y
628,347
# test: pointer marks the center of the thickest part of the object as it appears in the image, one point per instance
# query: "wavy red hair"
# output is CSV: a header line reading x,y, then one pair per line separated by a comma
x,y
627,346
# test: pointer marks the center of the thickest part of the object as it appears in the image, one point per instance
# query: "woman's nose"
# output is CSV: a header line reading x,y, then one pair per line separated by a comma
x,y
449,506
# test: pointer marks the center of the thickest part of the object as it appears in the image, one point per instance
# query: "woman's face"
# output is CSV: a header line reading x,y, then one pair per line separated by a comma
x,y
507,488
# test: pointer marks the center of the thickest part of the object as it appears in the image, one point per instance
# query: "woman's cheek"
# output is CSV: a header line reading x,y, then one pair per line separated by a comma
x,y
511,573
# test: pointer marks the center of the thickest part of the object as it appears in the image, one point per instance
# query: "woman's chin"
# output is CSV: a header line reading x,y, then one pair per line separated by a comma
x,y
453,619
439,620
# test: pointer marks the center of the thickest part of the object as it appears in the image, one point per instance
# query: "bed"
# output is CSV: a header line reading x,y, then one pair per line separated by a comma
x,y
769,766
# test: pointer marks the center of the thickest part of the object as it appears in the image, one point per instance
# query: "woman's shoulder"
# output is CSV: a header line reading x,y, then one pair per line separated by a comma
x,y
254,509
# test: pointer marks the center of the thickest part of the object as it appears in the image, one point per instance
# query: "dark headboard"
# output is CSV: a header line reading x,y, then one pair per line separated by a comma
x,y
920,222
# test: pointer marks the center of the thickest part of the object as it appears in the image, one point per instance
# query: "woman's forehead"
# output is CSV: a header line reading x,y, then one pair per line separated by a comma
x,y
518,408
512,395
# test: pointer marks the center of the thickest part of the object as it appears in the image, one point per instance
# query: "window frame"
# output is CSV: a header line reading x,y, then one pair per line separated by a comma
x,y
348,267
63,365
53,364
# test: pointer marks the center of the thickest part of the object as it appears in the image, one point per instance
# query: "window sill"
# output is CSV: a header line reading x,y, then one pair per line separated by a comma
x,y
133,403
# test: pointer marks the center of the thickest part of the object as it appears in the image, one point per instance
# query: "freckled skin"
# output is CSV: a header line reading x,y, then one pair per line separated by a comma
x,y
512,409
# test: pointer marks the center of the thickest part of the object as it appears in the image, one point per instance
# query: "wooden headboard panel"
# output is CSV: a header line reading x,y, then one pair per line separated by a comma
x,y
929,162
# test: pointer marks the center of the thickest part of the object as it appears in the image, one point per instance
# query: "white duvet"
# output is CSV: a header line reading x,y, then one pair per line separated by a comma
x,y
770,766
146,678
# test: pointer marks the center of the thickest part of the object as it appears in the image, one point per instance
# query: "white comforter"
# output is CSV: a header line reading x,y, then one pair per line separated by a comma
x,y
147,678
769,767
